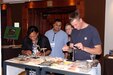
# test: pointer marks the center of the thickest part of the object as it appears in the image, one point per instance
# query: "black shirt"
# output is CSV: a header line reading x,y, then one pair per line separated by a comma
x,y
43,42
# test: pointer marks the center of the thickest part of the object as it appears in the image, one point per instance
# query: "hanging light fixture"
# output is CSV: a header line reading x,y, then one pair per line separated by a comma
x,y
4,6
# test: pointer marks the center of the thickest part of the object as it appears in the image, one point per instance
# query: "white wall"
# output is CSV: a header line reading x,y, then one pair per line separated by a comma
x,y
108,44
0,39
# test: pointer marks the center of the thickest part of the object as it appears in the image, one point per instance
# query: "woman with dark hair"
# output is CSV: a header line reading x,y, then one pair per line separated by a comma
x,y
66,49
33,43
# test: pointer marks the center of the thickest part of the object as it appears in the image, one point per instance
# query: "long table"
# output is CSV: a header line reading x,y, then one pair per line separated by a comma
x,y
26,67
47,69
41,70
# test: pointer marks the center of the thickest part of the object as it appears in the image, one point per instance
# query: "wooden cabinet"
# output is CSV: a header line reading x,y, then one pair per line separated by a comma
x,y
107,65
8,53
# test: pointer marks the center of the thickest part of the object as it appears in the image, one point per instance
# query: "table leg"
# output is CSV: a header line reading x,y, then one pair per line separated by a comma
x,y
4,68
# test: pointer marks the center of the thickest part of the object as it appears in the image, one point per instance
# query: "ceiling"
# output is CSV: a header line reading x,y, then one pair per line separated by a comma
x,y
18,1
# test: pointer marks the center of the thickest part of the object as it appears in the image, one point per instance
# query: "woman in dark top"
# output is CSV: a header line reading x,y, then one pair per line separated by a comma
x,y
33,39
66,49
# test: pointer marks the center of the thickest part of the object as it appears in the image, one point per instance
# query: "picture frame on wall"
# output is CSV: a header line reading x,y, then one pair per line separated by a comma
x,y
12,33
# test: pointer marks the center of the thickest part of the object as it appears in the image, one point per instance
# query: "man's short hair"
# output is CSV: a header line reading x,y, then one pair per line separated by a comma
x,y
74,15
57,20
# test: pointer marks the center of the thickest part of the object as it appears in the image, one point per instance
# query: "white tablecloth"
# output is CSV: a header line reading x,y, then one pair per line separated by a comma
x,y
11,70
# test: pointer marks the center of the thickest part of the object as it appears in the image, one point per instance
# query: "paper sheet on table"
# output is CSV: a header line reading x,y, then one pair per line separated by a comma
x,y
110,57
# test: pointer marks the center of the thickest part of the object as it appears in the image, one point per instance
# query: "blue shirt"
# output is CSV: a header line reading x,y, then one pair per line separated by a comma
x,y
57,41
89,37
